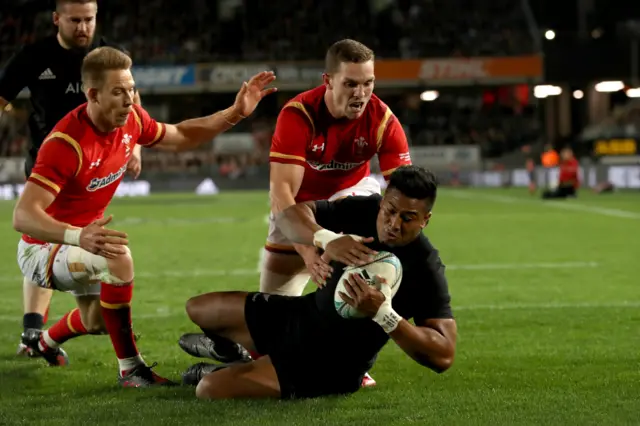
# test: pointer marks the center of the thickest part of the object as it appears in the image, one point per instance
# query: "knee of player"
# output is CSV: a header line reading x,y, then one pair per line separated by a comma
x,y
194,307
93,322
95,326
121,267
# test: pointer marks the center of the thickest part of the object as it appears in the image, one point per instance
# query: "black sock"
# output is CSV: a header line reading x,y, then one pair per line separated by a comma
x,y
33,320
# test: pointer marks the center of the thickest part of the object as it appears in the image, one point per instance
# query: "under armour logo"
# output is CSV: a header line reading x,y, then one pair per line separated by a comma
x,y
317,148
95,163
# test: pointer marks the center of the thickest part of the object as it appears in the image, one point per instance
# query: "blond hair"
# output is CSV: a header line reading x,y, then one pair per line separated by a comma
x,y
99,61
346,51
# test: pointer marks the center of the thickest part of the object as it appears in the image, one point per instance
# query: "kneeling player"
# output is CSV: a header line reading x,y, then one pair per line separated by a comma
x,y
295,332
64,245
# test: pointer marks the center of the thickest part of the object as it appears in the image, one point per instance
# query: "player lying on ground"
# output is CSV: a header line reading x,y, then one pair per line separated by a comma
x,y
295,332
50,69
65,245
323,143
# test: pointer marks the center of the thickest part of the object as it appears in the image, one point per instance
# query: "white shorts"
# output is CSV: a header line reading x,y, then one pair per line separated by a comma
x,y
278,243
47,266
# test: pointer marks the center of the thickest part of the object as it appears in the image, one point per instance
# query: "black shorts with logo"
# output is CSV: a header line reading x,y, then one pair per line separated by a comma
x,y
307,362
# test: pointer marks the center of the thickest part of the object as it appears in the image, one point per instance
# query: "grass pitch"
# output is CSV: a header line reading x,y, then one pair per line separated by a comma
x,y
546,295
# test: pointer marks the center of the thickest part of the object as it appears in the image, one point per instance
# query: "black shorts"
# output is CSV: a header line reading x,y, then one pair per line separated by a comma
x,y
307,362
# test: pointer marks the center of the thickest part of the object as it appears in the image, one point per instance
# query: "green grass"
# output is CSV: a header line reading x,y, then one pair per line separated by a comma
x,y
558,345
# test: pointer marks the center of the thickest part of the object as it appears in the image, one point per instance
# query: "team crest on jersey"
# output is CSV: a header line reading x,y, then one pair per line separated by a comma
x,y
103,182
126,140
360,144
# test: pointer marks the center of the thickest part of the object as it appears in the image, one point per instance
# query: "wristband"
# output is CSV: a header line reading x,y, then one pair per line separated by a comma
x,y
387,318
323,237
72,236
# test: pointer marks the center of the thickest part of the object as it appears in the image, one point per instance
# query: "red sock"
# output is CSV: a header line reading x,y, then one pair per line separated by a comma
x,y
68,327
45,317
115,301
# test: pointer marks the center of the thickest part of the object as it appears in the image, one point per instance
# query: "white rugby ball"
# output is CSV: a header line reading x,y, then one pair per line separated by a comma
x,y
385,264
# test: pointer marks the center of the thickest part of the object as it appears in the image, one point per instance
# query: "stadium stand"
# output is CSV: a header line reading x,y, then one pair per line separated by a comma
x,y
158,32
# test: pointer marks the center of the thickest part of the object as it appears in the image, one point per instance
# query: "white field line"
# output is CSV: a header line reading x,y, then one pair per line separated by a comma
x,y
564,205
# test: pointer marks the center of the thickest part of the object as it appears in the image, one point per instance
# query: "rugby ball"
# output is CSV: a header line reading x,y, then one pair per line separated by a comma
x,y
385,264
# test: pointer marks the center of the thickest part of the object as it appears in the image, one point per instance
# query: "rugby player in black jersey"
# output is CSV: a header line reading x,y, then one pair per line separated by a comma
x,y
293,333
50,69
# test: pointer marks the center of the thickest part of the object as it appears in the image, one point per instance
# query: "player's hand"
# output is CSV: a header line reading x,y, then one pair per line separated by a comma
x,y
134,166
350,250
317,266
96,239
252,92
364,297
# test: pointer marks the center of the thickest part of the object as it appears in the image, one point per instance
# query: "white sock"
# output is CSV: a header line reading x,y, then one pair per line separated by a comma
x,y
129,363
48,341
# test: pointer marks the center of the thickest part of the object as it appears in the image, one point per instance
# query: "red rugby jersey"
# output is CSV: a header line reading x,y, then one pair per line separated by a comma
x,y
83,167
336,152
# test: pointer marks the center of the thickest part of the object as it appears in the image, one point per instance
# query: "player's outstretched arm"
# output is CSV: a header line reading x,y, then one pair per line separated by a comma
x,y
299,224
192,133
30,218
431,342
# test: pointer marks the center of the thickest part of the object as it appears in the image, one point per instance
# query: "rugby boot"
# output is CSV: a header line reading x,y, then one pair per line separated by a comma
x,y
143,376
195,373
24,350
222,350
56,357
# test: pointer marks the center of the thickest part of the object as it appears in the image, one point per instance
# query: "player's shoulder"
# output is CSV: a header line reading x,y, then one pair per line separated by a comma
x,y
73,127
424,252
39,48
308,101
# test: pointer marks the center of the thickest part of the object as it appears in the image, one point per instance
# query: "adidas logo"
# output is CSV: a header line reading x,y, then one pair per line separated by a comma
x,y
47,75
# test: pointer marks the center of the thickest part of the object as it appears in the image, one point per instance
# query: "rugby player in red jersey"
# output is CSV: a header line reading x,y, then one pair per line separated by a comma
x,y
65,245
321,149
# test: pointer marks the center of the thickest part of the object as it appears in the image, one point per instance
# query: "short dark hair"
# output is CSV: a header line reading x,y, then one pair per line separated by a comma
x,y
346,50
60,3
415,182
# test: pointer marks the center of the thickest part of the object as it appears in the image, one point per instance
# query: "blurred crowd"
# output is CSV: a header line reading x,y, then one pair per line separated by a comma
x,y
188,31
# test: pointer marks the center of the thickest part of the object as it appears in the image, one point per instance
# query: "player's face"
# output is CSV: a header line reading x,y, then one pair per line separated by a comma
x,y
351,88
401,219
116,97
76,23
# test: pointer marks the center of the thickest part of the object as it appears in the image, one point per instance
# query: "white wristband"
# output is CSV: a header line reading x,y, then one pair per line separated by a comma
x,y
72,236
387,318
323,237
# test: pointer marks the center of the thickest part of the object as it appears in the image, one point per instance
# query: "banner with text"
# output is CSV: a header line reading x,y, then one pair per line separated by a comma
x,y
227,77
169,76
389,73
461,70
